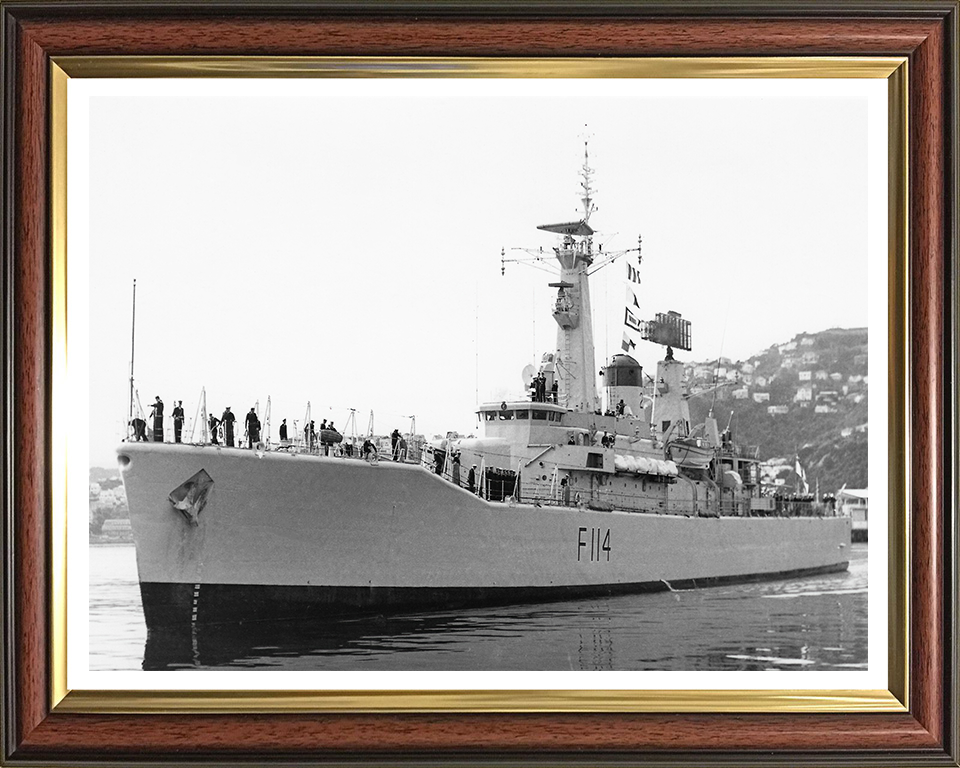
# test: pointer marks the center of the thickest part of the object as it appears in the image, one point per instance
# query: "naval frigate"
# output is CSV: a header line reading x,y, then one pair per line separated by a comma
x,y
565,494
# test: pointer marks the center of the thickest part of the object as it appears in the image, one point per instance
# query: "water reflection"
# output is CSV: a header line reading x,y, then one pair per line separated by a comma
x,y
814,623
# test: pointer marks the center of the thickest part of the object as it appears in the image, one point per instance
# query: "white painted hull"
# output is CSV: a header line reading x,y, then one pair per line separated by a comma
x,y
351,535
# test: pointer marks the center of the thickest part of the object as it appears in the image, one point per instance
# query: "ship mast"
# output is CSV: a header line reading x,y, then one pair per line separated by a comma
x,y
586,174
574,367
133,340
575,364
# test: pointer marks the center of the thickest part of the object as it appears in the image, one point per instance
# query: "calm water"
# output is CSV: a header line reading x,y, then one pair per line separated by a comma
x,y
818,622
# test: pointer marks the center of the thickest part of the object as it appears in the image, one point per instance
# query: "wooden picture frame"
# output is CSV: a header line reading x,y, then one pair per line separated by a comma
x,y
39,726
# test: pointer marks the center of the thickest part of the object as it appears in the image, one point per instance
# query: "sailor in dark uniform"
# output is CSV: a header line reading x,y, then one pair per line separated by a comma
x,y
252,425
394,439
177,420
158,420
139,429
283,430
214,423
227,419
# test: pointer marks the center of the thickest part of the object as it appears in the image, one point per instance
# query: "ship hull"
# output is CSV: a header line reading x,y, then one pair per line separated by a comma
x,y
172,604
286,536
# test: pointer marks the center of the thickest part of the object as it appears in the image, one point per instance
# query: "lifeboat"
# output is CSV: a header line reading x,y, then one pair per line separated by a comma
x,y
690,453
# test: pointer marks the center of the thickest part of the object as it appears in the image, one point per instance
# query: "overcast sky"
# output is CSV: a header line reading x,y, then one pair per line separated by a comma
x,y
339,241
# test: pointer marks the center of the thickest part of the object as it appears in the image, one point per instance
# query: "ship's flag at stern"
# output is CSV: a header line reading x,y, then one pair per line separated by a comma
x,y
628,343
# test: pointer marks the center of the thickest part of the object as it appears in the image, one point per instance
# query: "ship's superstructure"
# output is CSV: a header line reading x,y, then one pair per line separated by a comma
x,y
640,452
563,495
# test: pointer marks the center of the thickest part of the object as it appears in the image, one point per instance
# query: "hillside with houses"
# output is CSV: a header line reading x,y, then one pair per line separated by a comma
x,y
109,521
806,397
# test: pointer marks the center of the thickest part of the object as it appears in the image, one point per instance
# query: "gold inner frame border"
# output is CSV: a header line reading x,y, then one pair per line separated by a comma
x,y
895,699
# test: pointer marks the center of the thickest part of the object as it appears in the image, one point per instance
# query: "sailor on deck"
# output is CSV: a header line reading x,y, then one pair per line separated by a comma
x,y
227,419
177,421
394,441
472,479
139,429
214,424
253,428
158,420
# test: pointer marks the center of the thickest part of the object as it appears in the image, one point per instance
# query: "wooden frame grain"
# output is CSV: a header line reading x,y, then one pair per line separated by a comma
x,y
925,32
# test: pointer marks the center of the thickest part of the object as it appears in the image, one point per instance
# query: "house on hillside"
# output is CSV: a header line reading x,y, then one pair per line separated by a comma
x,y
826,402
761,397
703,372
740,394
777,410
805,375
807,341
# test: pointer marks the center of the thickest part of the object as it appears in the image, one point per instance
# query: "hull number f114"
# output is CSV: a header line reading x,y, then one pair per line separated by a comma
x,y
599,543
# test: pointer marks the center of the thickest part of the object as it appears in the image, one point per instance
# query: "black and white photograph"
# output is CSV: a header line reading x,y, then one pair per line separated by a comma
x,y
464,379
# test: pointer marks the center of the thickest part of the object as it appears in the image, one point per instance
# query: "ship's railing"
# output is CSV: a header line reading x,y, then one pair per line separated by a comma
x,y
349,449
610,500
490,483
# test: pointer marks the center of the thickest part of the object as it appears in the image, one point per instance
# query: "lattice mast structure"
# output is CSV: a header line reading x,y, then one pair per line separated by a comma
x,y
575,363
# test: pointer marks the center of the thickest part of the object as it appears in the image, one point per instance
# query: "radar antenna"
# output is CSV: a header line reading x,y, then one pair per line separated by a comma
x,y
538,259
668,329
